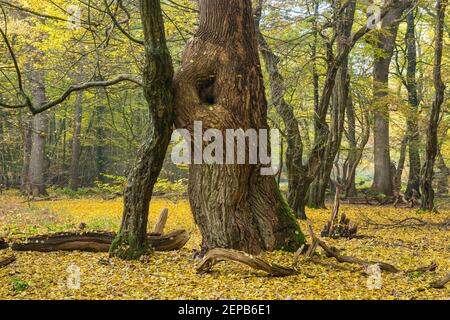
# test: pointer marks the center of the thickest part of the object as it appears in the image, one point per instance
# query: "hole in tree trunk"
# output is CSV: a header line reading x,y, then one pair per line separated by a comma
x,y
206,91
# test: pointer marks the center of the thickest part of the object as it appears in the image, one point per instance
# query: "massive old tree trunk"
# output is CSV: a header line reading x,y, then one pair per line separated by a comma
x,y
38,137
220,84
131,242
412,117
382,181
427,173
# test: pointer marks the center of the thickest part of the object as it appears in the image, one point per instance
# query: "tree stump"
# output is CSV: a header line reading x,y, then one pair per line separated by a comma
x,y
339,228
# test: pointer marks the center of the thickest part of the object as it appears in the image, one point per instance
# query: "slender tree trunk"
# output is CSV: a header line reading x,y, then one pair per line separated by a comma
x,y
339,105
427,199
234,205
412,118
385,47
38,138
401,164
298,181
26,140
349,176
100,144
74,183
444,172
131,241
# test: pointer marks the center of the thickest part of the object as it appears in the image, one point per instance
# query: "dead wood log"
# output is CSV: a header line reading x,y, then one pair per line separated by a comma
x,y
217,255
162,220
432,267
440,284
96,241
332,252
5,261
3,244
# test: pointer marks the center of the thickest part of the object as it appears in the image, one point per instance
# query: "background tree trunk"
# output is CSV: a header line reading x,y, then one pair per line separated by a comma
x,y
339,104
401,164
131,241
444,172
427,172
298,177
382,181
234,205
26,138
349,175
76,144
412,118
39,124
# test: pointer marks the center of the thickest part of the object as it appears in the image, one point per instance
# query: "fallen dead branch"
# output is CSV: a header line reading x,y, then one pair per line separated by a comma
x,y
330,264
217,255
332,252
440,284
5,261
410,222
96,241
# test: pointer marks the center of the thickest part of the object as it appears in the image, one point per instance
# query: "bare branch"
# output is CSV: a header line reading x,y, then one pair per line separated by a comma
x,y
69,91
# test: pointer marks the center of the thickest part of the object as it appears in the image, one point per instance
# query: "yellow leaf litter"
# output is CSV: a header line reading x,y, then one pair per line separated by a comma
x,y
172,275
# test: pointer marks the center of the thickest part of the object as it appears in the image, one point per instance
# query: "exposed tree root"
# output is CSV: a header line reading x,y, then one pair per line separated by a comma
x,y
217,255
5,261
96,241
440,284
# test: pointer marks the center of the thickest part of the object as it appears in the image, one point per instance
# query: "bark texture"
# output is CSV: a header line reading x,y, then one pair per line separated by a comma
x,y
220,83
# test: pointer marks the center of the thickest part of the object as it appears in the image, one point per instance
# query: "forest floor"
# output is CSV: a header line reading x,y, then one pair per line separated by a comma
x,y
172,275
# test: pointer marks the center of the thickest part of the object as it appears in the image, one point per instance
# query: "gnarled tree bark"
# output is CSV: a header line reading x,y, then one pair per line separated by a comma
x,y
220,83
